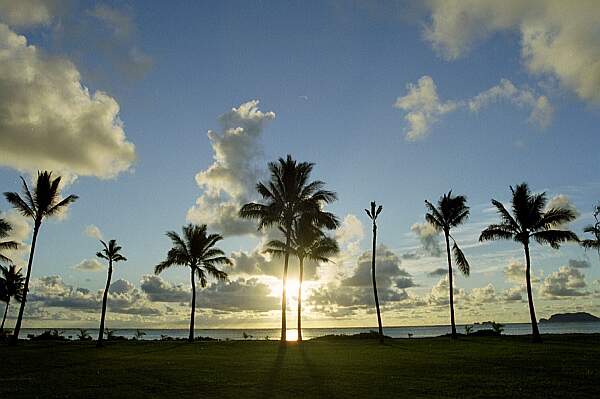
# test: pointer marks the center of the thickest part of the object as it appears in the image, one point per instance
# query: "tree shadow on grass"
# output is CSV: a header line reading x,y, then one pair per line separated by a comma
x,y
272,377
317,379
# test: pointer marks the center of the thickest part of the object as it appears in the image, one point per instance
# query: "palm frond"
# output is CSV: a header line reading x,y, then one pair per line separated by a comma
x,y
461,260
554,237
496,232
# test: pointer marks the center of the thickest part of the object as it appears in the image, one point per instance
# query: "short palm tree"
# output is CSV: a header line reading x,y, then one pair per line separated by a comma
x,y
530,220
196,250
43,202
450,212
594,229
307,242
5,229
110,252
11,286
373,213
288,196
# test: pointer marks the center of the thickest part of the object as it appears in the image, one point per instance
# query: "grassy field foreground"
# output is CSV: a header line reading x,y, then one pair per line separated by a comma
x,y
563,366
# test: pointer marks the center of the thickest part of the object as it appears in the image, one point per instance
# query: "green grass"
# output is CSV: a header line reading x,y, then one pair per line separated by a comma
x,y
564,366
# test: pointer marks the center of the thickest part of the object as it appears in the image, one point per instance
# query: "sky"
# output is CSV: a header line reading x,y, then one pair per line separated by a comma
x,y
157,114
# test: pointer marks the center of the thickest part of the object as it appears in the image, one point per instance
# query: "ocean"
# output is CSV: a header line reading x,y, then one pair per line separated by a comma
x,y
308,333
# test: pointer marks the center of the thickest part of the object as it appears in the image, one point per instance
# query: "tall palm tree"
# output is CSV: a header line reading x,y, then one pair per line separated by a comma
x,y
196,250
530,221
11,286
288,196
43,202
594,229
373,214
450,212
110,252
307,242
5,229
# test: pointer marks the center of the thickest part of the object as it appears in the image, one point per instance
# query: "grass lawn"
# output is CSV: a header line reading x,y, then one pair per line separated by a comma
x,y
563,366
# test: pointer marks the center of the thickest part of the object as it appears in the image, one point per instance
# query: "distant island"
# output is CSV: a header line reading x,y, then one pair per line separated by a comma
x,y
570,318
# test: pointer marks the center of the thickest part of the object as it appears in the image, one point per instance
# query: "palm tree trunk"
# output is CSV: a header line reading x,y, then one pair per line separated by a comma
x,y
15,336
451,287
536,337
300,278
104,300
375,284
286,261
5,313
193,315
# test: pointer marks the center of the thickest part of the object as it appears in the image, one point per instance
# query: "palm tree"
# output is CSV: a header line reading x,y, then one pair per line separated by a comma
x,y
594,229
373,213
196,250
5,229
44,202
110,252
307,242
11,286
450,212
288,196
529,221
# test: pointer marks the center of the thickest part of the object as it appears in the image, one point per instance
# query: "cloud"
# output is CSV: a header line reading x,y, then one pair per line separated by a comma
x,y
579,264
515,272
562,201
27,13
566,282
239,295
356,292
424,108
541,109
119,46
93,231
230,180
160,290
439,272
513,294
559,40
89,265
429,238
51,121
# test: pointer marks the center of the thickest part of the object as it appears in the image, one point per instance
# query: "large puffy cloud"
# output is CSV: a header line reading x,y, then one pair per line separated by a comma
x,y
238,295
230,180
566,282
159,290
124,298
423,107
355,291
558,38
51,121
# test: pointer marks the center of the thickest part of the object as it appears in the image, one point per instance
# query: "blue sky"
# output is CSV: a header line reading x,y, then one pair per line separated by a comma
x,y
331,71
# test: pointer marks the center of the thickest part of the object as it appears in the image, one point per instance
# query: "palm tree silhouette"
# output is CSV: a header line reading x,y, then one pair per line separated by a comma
x,y
307,242
11,286
530,221
110,252
196,250
450,212
5,229
288,196
594,229
373,214
42,203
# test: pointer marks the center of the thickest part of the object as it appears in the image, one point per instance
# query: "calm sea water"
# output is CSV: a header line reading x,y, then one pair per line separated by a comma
x,y
308,333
